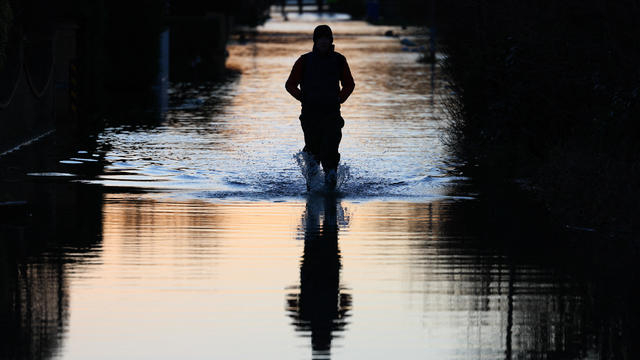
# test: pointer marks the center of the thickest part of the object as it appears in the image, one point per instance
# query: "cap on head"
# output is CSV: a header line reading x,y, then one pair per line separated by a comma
x,y
322,31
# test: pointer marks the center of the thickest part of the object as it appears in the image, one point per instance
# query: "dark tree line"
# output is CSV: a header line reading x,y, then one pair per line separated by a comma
x,y
548,92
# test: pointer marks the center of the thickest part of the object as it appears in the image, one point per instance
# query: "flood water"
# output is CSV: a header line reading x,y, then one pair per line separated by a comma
x,y
196,238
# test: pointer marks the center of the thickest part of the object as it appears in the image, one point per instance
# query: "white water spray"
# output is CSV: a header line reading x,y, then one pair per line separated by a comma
x,y
314,176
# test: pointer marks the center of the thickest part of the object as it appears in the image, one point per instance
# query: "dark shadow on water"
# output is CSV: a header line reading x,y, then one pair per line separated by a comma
x,y
564,293
320,306
43,219
34,255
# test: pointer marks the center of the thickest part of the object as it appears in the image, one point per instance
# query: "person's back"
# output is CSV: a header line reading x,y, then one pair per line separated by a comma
x,y
320,83
319,74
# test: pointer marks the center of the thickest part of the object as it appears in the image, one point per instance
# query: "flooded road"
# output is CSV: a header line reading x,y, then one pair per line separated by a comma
x,y
195,238
238,139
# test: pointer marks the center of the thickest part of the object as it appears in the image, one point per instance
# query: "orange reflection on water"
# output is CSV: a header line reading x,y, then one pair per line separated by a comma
x,y
325,276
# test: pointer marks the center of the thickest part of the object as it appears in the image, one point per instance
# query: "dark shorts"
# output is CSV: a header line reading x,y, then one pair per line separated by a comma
x,y
322,135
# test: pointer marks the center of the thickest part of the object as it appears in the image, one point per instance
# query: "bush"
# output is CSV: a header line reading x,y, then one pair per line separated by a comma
x,y
549,91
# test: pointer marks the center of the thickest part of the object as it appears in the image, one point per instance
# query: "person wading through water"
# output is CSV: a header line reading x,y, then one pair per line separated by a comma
x,y
319,74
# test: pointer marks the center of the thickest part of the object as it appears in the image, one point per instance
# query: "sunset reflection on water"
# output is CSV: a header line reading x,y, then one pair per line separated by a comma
x,y
324,276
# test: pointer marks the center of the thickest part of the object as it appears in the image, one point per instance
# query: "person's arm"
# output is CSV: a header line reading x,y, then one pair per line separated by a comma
x,y
295,78
346,79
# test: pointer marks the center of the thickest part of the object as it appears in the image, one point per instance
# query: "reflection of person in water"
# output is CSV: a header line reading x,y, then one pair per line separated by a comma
x,y
319,74
320,307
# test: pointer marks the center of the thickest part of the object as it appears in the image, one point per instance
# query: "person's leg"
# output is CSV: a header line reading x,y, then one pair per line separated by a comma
x,y
312,137
330,157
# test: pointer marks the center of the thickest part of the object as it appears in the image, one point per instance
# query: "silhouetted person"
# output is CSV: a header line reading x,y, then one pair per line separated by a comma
x,y
320,7
300,7
319,74
320,308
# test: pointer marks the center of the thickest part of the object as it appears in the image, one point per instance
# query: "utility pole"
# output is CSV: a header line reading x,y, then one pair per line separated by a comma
x,y
432,32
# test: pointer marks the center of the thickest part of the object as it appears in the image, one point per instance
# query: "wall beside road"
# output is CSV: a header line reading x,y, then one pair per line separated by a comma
x,y
72,64
35,83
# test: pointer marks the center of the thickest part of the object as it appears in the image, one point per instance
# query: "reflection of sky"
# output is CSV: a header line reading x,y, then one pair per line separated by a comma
x,y
200,280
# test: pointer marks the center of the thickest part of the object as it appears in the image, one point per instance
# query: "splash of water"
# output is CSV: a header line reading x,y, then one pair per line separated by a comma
x,y
314,176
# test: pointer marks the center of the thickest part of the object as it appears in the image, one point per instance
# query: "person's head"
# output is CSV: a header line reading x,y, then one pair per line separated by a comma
x,y
322,38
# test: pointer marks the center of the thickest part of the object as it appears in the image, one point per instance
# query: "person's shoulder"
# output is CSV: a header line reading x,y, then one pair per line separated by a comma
x,y
339,56
302,57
